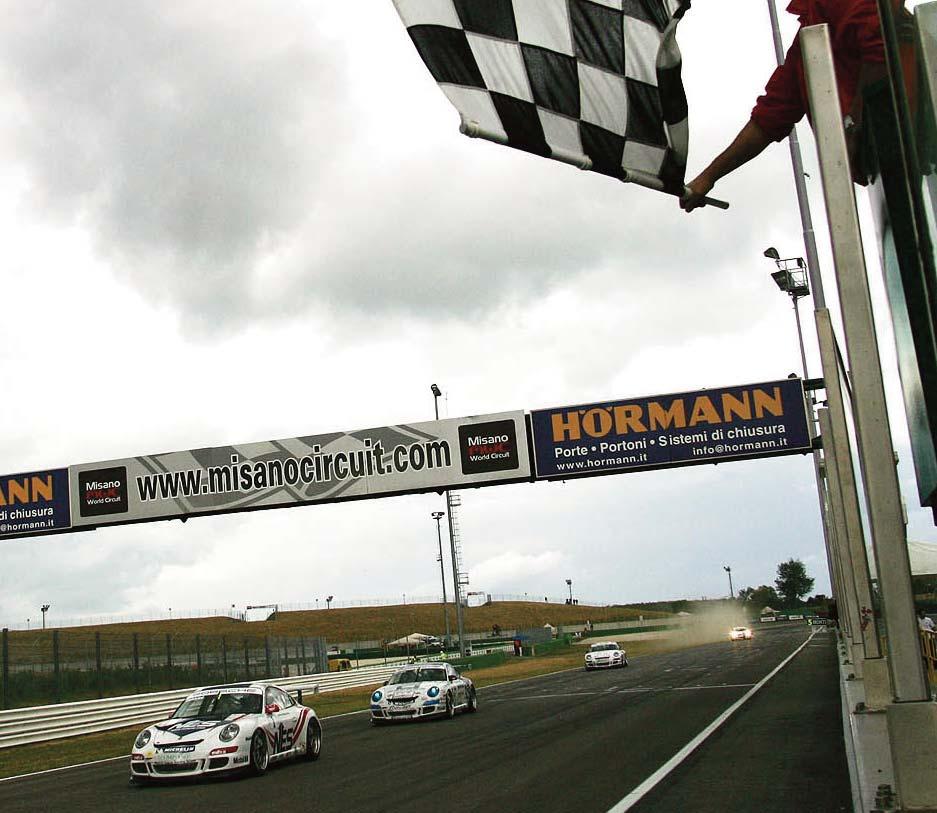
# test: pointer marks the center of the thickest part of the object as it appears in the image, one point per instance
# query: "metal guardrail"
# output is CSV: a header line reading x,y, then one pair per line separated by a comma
x,y
43,723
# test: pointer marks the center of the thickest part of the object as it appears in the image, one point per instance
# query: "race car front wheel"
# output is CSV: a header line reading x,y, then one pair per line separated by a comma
x,y
450,708
313,740
259,756
472,702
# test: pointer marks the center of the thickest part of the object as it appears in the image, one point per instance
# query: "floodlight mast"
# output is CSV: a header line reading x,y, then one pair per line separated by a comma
x,y
438,515
456,578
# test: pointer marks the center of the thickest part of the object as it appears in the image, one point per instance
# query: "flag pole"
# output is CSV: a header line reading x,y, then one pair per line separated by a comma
x,y
653,182
473,130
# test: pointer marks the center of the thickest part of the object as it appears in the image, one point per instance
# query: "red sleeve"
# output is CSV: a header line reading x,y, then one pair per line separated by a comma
x,y
857,29
782,105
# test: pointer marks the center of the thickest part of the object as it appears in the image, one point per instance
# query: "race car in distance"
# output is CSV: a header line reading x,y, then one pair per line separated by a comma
x,y
423,690
239,726
604,655
740,634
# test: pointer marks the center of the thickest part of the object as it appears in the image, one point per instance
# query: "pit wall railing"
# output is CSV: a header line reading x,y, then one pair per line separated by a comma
x,y
43,723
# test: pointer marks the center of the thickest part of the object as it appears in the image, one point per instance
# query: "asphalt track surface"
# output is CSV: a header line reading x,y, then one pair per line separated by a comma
x,y
573,741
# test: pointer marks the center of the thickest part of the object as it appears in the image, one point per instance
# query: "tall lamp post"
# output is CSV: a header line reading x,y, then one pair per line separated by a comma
x,y
569,584
45,609
438,515
791,278
328,602
456,581
728,570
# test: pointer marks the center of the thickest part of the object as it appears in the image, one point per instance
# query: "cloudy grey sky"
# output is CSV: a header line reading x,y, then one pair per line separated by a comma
x,y
229,222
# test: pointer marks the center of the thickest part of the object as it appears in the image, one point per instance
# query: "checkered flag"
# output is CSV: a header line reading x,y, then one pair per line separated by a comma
x,y
593,83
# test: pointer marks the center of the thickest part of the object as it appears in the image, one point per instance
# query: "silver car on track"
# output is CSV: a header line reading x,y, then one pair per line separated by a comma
x,y
237,726
605,655
423,690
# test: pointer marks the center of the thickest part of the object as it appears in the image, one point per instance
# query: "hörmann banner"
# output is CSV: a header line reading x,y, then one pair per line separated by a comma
x,y
34,502
755,420
408,458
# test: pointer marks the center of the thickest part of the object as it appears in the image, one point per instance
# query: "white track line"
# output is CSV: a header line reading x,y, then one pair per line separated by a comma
x,y
635,796
63,768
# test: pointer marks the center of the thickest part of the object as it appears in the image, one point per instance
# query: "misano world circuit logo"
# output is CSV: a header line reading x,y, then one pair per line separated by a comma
x,y
490,446
102,491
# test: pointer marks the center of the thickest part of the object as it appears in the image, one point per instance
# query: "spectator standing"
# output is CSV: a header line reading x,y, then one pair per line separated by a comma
x,y
924,622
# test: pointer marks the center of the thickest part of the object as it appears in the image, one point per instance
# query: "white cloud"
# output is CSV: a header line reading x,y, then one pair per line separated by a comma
x,y
226,222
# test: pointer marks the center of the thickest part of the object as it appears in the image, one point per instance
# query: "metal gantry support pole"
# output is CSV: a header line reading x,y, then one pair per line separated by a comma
x,y
456,580
912,719
849,601
839,465
876,453
438,515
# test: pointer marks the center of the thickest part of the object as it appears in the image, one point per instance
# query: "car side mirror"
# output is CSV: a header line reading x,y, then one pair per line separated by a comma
x,y
271,708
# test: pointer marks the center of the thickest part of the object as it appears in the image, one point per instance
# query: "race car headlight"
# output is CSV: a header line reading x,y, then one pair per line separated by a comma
x,y
143,738
433,691
229,732
589,656
376,697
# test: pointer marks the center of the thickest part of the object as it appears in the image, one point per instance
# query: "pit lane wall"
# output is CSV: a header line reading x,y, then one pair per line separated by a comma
x,y
609,437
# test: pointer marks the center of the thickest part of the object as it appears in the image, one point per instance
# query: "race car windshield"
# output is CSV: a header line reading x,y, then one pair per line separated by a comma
x,y
418,675
219,706
603,647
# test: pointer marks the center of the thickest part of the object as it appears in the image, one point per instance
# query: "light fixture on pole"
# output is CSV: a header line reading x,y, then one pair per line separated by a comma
x,y
45,609
438,515
728,570
436,395
569,584
328,602
791,278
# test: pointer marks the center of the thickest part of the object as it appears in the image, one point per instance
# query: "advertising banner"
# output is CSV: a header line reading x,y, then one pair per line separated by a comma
x,y
707,426
388,460
34,502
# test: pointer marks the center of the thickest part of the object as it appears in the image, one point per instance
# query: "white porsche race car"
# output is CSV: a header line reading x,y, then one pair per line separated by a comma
x,y
423,690
605,655
240,726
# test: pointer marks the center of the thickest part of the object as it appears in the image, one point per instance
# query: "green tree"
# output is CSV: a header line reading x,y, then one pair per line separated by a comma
x,y
792,582
761,597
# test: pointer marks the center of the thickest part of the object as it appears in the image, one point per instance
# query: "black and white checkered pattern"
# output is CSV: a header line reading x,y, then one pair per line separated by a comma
x,y
595,83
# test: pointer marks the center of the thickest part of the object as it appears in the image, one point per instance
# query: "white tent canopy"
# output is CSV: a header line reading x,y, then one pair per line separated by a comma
x,y
413,639
923,557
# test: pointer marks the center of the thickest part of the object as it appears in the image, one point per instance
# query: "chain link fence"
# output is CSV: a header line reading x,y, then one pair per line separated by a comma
x,y
57,666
